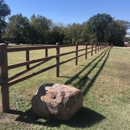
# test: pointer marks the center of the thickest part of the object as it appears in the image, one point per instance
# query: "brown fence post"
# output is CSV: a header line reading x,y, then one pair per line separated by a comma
x,y
76,54
57,59
92,49
4,77
98,46
86,51
46,52
27,59
95,48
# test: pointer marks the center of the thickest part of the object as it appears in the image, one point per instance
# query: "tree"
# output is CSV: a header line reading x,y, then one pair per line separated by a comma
x,y
17,28
4,11
40,26
103,28
85,34
73,33
117,31
97,26
56,34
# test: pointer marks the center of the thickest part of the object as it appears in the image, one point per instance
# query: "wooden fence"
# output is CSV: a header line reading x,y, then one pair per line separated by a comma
x,y
6,81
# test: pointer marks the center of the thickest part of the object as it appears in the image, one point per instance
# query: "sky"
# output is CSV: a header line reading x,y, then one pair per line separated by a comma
x,y
70,11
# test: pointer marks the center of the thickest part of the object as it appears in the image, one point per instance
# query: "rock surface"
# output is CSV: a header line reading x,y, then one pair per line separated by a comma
x,y
57,100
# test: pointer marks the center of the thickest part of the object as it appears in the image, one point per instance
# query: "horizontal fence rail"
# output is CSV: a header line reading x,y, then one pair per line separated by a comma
x,y
6,81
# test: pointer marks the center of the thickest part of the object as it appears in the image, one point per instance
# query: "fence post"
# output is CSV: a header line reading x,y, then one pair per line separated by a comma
x,y
76,54
98,46
95,48
57,59
92,49
86,51
27,59
46,52
4,77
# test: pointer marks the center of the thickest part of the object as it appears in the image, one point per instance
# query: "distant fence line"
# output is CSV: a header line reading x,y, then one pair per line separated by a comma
x,y
6,81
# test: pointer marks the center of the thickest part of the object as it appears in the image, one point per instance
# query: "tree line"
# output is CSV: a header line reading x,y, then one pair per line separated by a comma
x,y
41,30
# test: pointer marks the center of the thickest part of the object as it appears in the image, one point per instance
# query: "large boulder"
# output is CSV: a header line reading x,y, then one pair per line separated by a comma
x,y
57,100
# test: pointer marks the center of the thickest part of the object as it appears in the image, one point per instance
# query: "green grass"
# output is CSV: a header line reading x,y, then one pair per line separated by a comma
x,y
103,79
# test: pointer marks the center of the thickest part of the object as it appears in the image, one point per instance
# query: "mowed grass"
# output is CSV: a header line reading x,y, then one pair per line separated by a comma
x,y
103,79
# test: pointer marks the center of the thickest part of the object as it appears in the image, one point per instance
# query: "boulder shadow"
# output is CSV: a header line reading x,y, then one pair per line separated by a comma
x,y
85,117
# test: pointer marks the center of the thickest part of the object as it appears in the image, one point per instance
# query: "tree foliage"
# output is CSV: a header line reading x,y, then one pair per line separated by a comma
x,y
56,34
40,26
4,11
103,27
41,30
97,26
73,33
117,31
17,28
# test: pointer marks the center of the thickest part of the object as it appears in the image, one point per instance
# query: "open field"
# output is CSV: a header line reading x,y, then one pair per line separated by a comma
x,y
103,78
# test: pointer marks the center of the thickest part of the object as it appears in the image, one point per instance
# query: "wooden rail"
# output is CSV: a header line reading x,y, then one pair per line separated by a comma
x,y
6,81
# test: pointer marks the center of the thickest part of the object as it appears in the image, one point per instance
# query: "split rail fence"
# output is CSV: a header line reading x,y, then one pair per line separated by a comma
x,y
6,81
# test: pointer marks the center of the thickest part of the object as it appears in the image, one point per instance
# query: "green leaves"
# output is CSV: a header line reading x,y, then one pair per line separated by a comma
x,y
17,28
41,30
4,11
103,27
40,25
73,33
117,30
97,26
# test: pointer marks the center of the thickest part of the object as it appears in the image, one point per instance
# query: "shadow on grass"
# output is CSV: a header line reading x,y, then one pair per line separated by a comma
x,y
84,83
85,117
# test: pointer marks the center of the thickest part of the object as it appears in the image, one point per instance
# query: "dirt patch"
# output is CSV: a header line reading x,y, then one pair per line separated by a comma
x,y
6,117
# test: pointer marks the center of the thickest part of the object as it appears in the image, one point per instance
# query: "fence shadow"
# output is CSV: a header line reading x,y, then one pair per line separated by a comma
x,y
85,117
81,83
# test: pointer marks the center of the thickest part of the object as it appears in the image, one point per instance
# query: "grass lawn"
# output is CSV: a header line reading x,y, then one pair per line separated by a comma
x,y
103,79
